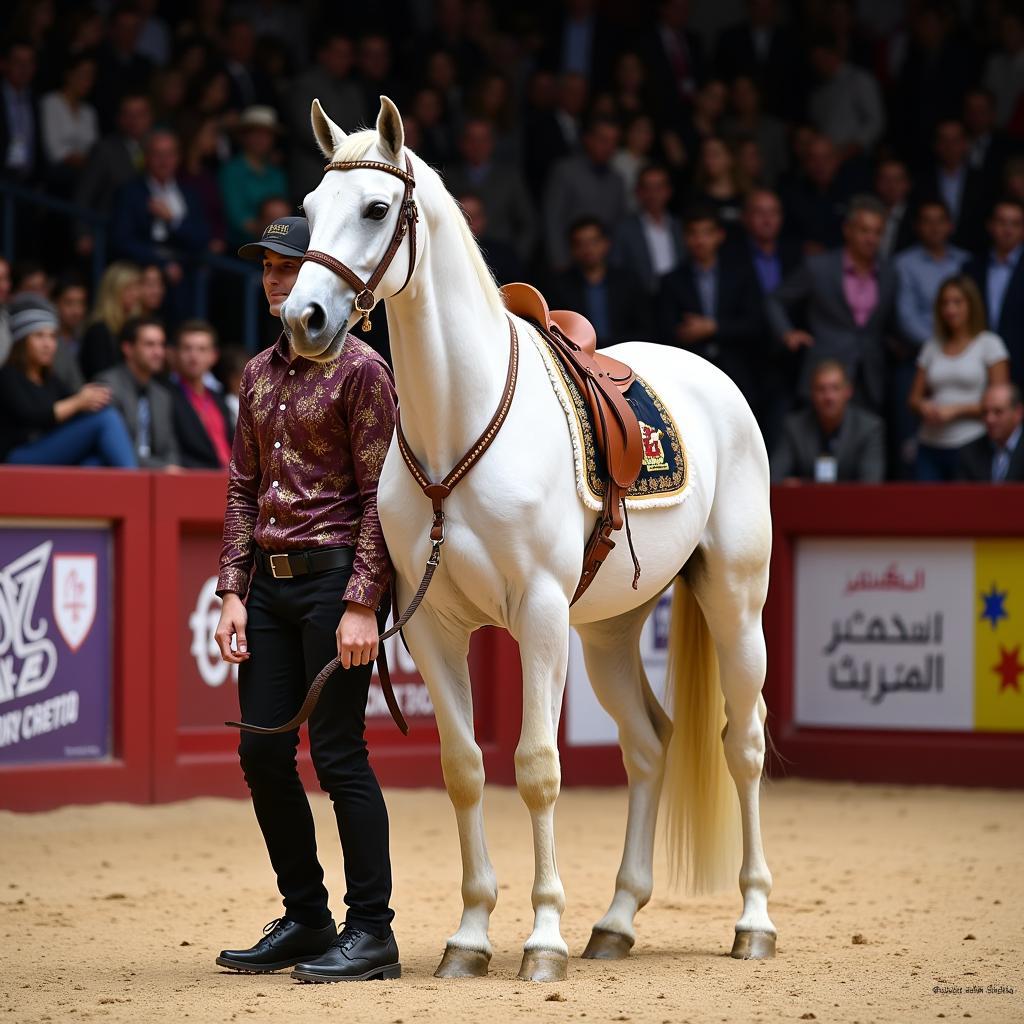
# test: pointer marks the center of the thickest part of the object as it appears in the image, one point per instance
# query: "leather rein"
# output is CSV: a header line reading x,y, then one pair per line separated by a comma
x,y
436,492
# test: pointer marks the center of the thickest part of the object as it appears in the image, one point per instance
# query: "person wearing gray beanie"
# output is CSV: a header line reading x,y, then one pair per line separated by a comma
x,y
41,421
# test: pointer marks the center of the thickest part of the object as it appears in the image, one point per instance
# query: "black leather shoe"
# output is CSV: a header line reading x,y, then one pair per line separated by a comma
x,y
354,956
284,944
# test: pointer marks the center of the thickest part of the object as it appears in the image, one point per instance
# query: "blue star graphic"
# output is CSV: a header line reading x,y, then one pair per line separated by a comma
x,y
995,608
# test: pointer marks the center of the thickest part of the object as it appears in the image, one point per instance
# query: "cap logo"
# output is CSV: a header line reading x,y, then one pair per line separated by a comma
x,y
273,230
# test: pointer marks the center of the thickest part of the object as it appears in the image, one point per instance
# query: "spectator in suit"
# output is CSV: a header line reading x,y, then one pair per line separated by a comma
x,y
331,79
583,186
552,124
21,130
510,214
1004,71
118,299
70,126
816,200
120,66
847,104
251,176
957,184
999,275
610,298
582,42
990,147
954,368
71,300
113,162
203,425
248,85
892,186
143,402
773,257
674,56
850,299
833,441
155,220
998,457
376,75
42,421
711,303
763,50
500,256
649,243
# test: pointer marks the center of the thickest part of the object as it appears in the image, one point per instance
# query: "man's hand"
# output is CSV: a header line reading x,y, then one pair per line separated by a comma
x,y
159,209
696,328
794,340
357,635
233,620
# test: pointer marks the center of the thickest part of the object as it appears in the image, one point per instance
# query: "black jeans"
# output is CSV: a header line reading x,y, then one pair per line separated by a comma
x,y
291,636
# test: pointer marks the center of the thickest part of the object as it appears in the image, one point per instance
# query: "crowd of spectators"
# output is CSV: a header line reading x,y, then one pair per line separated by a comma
x,y
824,198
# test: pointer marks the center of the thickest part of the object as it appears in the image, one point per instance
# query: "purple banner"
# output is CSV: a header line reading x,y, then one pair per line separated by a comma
x,y
55,644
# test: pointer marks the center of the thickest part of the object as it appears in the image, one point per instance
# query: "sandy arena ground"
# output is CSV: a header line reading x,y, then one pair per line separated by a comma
x,y
115,913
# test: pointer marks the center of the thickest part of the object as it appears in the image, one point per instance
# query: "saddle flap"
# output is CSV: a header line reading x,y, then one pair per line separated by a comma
x,y
524,300
577,328
621,374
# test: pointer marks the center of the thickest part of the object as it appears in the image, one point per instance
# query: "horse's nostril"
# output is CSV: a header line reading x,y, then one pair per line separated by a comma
x,y
316,318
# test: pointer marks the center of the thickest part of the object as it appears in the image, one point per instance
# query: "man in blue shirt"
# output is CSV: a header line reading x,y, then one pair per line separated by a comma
x,y
997,457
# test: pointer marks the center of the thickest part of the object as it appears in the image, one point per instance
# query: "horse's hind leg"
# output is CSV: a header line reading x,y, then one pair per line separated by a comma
x,y
612,653
730,580
440,651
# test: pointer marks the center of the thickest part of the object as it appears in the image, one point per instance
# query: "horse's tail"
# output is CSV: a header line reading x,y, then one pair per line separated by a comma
x,y
702,810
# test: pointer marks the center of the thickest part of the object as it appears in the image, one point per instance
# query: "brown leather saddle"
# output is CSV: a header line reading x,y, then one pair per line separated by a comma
x,y
601,381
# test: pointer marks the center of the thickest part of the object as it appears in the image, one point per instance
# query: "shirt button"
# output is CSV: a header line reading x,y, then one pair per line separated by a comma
x,y
281,407
274,484
277,444
291,373
272,520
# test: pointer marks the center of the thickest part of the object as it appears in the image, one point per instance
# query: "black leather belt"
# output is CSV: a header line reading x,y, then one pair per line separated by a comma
x,y
303,563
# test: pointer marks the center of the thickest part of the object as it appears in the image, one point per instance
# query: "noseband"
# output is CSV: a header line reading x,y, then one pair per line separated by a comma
x,y
365,300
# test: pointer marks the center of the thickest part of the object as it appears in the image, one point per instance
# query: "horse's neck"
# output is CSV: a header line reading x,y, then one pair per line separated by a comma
x,y
450,350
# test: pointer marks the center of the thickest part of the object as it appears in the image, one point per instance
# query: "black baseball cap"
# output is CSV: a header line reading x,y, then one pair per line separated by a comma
x,y
288,236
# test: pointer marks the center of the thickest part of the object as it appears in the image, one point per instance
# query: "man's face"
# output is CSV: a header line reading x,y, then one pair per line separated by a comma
x,y
600,143
476,215
830,394
762,217
196,355
589,248
148,352
1001,416
337,57
703,240
863,235
979,114
892,183
375,58
822,162
477,143
135,118
934,226
20,67
162,157
654,192
572,94
1006,227
951,144
279,273
71,309
258,142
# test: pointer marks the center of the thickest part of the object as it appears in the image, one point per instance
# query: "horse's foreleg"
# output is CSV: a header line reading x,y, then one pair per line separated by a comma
x,y
541,625
615,668
440,654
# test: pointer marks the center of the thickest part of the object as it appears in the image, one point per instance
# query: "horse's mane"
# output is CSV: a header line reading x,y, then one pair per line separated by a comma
x,y
356,145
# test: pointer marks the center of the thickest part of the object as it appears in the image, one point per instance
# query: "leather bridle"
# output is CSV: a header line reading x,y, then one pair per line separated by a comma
x,y
365,300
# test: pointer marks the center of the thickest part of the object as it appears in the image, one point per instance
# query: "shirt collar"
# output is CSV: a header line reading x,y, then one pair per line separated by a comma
x,y
1012,441
1011,259
850,268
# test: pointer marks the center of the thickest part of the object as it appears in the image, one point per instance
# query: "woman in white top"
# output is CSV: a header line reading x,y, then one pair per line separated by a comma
x,y
953,370
70,127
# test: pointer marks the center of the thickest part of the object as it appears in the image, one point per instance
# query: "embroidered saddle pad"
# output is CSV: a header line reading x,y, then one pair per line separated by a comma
x,y
664,474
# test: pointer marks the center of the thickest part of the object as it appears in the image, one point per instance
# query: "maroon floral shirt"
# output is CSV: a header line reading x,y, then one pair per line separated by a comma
x,y
307,455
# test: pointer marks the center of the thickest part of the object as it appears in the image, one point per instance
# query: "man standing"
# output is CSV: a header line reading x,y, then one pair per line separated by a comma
x,y
143,402
202,422
302,512
650,241
998,456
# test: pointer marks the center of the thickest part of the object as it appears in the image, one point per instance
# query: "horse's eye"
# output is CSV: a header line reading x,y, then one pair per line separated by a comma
x,y
376,211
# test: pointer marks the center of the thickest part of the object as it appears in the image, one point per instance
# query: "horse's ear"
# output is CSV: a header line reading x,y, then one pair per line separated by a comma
x,y
328,135
390,129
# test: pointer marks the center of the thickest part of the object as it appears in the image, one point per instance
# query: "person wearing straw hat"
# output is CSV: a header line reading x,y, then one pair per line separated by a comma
x,y
252,175
305,576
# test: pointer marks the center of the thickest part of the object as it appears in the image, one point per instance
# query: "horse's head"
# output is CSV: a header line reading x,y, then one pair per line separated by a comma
x,y
361,219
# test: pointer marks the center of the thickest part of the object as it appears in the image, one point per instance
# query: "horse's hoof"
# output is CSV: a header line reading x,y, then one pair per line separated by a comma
x,y
753,946
543,965
606,945
462,963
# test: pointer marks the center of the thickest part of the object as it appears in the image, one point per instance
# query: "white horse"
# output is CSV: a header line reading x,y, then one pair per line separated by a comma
x,y
513,554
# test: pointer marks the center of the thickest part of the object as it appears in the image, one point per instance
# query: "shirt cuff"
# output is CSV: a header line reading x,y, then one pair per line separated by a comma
x,y
235,581
364,591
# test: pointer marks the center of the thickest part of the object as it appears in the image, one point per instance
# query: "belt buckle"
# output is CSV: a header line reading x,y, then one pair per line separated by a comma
x,y
284,575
